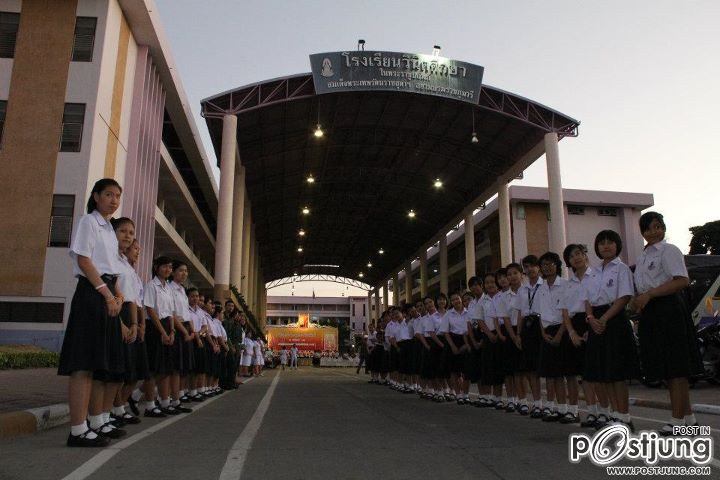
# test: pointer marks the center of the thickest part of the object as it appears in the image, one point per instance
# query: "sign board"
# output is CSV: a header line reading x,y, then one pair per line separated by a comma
x,y
397,72
311,338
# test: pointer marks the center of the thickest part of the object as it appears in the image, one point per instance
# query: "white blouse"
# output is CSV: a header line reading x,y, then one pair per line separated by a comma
x,y
95,238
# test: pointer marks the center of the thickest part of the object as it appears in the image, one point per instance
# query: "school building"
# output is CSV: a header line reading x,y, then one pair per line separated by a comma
x,y
282,310
89,89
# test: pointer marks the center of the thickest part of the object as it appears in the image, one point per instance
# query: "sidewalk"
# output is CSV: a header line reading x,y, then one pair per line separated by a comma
x,y
31,388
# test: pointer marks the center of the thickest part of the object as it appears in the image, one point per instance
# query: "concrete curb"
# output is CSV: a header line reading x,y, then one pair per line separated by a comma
x,y
34,420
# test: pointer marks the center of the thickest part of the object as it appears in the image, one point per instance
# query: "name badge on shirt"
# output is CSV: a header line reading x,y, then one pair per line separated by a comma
x,y
652,265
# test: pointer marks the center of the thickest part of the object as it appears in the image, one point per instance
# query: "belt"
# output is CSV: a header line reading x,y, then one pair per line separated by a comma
x,y
107,278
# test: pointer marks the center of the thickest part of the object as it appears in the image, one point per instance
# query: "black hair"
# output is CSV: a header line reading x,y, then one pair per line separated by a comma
x,y
228,301
469,294
473,281
191,290
441,295
161,260
553,257
119,222
569,250
647,218
488,274
501,272
428,297
458,293
515,266
407,307
530,260
178,263
612,236
98,188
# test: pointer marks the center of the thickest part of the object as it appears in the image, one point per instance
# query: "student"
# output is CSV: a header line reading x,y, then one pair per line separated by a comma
x,y
416,328
529,331
246,359
668,342
502,303
258,358
93,312
610,352
200,327
405,344
474,339
491,368
443,367
391,334
576,309
550,298
184,341
512,350
432,349
221,339
294,356
132,288
454,328
160,336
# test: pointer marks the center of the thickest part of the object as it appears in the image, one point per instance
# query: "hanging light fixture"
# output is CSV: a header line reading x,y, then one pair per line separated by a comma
x,y
411,213
369,264
474,138
381,251
305,210
301,232
310,178
318,130
438,183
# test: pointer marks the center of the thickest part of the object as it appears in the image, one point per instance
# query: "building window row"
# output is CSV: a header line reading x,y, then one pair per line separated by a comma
x,y
71,129
83,40
61,220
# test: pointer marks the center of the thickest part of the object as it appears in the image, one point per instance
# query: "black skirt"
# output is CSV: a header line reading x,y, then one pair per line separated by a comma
x,y
474,359
405,357
130,374
188,352
209,355
574,362
176,353
142,367
456,362
383,358
160,360
551,356
393,359
199,358
417,356
491,371
93,339
531,339
510,353
429,359
668,340
611,356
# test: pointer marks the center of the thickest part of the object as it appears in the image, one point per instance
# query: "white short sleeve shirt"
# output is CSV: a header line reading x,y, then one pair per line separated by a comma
x,y
159,297
549,300
615,281
197,317
182,304
129,283
457,321
658,264
95,238
577,291
526,298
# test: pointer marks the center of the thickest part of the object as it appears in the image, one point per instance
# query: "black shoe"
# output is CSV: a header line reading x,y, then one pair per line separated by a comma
x,y
524,410
536,413
197,398
601,421
589,421
155,413
82,440
133,406
185,399
182,409
500,405
546,412
171,410
569,418
510,408
553,417
110,432
116,421
130,419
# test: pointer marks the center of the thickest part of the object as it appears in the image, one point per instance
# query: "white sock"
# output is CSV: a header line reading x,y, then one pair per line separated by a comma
x,y
623,417
690,419
182,393
96,421
573,409
76,430
604,411
593,409
175,403
149,405
193,392
118,411
106,416
562,408
537,404
677,422
137,394
165,402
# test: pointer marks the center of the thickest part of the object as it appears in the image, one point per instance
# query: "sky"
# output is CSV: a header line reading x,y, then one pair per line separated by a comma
x,y
642,77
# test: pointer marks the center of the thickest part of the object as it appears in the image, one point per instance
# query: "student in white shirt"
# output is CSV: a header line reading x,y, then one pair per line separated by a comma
x,y
454,327
507,318
491,369
283,357
294,356
474,338
196,316
183,347
433,353
668,341
93,312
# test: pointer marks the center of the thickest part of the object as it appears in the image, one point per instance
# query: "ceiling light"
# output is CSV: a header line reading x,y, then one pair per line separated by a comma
x,y
300,249
411,213
361,275
369,264
306,211
310,178
434,270
301,232
436,51
474,138
318,132
381,251
438,183
295,274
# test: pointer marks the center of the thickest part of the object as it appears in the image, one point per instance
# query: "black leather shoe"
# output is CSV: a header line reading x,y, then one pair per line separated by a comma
x,y
83,441
109,432
155,413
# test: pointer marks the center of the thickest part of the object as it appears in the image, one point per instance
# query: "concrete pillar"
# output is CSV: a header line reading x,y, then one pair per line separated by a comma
x,y
377,305
223,241
385,295
408,282
251,269
504,218
557,207
369,315
469,247
245,265
443,264
423,274
236,249
396,289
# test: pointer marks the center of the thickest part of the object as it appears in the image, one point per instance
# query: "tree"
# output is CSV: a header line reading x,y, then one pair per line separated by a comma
x,y
705,239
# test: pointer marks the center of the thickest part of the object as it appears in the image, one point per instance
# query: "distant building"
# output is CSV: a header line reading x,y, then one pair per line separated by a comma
x,y
352,311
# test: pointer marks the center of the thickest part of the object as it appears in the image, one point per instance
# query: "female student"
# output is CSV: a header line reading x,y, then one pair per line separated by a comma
x,y
610,353
442,302
511,347
529,330
200,327
550,298
454,327
491,373
474,338
576,309
125,232
668,343
160,337
502,303
433,355
184,341
93,311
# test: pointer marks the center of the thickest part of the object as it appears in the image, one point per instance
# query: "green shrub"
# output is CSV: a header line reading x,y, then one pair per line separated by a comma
x,y
26,356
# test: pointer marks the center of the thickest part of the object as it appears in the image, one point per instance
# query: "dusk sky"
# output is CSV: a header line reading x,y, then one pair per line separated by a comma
x,y
642,77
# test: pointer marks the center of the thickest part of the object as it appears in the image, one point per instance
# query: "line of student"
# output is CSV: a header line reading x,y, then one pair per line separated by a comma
x,y
120,332
526,322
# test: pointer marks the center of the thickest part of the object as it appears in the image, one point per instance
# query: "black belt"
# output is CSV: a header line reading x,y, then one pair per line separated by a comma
x,y
107,278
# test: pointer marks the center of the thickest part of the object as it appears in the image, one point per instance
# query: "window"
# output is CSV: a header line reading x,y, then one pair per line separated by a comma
x,y
72,127
364,309
607,212
3,109
9,23
363,325
353,311
353,325
576,210
31,312
61,220
520,212
84,39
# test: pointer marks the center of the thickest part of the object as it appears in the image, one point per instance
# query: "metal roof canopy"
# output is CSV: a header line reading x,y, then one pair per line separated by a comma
x,y
378,159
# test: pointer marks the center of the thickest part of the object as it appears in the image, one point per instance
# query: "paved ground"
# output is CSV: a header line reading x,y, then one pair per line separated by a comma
x,y
320,424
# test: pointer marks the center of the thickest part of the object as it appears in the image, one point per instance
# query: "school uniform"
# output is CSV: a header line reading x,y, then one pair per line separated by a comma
x,y
391,331
505,308
198,320
135,354
158,296
210,355
186,349
93,339
577,293
611,356
416,327
370,359
248,352
258,359
474,357
403,337
668,341
430,358
220,333
455,323
491,369
550,300
530,333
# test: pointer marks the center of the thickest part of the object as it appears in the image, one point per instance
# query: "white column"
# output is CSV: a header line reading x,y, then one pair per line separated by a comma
x,y
369,315
557,207
504,218
385,294
223,240
423,274
469,247
443,264
396,289
251,269
245,265
377,304
236,249
408,282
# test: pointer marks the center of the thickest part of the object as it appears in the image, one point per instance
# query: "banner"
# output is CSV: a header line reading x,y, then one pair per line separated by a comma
x,y
311,338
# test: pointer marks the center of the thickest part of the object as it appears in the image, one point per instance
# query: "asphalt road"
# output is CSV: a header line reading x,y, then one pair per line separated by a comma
x,y
323,424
